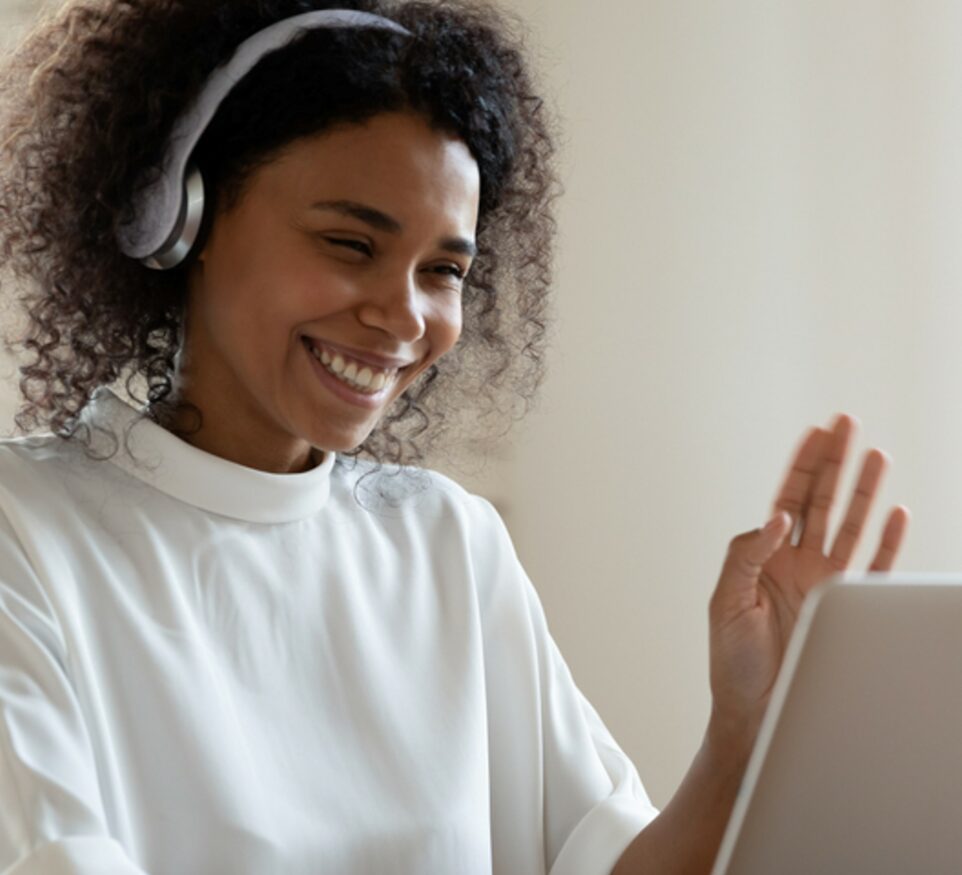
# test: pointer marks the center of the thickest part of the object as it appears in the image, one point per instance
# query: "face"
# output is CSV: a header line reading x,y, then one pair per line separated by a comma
x,y
327,289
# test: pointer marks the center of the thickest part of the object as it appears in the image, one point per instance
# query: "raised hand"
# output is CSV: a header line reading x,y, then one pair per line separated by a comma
x,y
768,572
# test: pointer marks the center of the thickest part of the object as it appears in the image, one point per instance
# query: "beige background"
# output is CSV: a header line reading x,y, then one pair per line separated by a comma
x,y
761,225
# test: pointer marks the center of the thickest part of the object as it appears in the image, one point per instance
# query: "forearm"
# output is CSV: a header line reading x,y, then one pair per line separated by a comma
x,y
684,838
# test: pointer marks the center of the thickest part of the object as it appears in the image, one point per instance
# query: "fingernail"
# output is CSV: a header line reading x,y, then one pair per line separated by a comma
x,y
773,523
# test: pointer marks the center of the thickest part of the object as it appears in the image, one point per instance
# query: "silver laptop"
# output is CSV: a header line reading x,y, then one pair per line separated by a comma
x,y
858,763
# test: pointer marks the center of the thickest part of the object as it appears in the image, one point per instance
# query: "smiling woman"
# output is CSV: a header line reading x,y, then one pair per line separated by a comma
x,y
313,238
312,235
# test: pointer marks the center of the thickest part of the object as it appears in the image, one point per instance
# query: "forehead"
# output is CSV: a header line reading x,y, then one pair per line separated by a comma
x,y
396,161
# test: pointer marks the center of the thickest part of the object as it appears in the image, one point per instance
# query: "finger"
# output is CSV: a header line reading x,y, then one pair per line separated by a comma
x,y
826,484
798,484
873,468
747,554
892,537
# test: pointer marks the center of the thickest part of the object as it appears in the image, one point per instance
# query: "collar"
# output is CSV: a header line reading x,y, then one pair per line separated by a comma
x,y
159,458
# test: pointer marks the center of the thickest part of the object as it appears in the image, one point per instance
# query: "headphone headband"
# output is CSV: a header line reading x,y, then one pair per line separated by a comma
x,y
165,216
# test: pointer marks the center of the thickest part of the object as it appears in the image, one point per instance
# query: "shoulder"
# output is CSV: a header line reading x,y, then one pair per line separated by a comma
x,y
465,536
32,498
424,498
46,476
401,489
27,462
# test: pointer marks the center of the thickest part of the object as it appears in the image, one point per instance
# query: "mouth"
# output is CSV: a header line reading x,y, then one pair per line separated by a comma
x,y
353,381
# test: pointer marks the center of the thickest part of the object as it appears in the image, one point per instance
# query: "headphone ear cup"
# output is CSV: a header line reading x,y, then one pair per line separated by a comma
x,y
205,223
190,218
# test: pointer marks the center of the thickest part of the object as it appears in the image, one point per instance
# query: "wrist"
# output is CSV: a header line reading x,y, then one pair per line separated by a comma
x,y
729,740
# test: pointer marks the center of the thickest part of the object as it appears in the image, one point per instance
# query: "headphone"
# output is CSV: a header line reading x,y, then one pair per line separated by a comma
x,y
165,216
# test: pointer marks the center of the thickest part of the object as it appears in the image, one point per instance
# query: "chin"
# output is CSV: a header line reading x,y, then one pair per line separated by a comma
x,y
336,441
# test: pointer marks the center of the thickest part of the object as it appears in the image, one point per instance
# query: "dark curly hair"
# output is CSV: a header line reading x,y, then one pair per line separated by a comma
x,y
87,102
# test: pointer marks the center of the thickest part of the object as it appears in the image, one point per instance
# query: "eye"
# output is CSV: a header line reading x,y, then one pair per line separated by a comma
x,y
453,270
356,245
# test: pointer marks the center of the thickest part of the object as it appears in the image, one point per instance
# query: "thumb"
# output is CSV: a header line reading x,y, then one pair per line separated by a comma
x,y
747,554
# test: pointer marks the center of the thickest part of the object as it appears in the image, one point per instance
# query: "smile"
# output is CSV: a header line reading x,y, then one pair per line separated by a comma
x,y
360,377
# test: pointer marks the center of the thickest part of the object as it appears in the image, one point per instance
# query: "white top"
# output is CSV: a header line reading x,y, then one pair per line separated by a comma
x,y
205,668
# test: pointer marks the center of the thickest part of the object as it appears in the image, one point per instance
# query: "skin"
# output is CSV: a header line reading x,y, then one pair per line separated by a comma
x,y
275,268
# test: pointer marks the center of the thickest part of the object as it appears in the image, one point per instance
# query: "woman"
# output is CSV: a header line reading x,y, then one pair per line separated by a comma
x,y
230,640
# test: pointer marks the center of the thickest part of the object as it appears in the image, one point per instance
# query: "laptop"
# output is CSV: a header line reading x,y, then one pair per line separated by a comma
x,y
858,763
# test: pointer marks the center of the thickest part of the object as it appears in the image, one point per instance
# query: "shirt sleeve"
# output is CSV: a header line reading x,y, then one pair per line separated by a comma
x,y
52,820
557,773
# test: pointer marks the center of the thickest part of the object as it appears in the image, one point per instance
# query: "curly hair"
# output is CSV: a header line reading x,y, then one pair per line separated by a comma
x,y
87,102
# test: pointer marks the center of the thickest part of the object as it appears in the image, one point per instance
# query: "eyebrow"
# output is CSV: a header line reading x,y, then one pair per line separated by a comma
x,y
383,222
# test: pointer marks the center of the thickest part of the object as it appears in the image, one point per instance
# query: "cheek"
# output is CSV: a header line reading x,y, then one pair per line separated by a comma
x,y
268,301
456,328
448,325
249,323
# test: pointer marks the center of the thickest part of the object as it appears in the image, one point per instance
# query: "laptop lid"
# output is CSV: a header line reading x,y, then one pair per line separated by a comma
x,y
858,763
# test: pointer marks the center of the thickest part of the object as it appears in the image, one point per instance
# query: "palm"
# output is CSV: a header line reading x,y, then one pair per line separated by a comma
x,y
756,638
767,575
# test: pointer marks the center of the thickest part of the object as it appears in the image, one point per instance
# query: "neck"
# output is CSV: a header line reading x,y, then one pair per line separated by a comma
x,y
198,423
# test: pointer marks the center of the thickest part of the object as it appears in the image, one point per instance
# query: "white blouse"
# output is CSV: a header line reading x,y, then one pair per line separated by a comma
x,y
205,668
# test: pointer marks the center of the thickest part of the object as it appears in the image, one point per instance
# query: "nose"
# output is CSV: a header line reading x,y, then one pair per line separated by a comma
x,y
395,305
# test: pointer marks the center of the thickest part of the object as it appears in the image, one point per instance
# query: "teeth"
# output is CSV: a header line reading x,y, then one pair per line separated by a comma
x,y
366,379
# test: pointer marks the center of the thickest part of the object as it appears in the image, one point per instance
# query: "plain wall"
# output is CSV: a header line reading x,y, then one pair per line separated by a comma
x,y
759,230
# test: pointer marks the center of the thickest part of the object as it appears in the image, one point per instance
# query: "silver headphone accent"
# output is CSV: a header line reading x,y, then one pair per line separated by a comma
x,y
166,215
176,247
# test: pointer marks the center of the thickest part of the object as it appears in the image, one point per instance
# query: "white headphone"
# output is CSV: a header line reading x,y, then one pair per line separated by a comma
x,y
166,216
